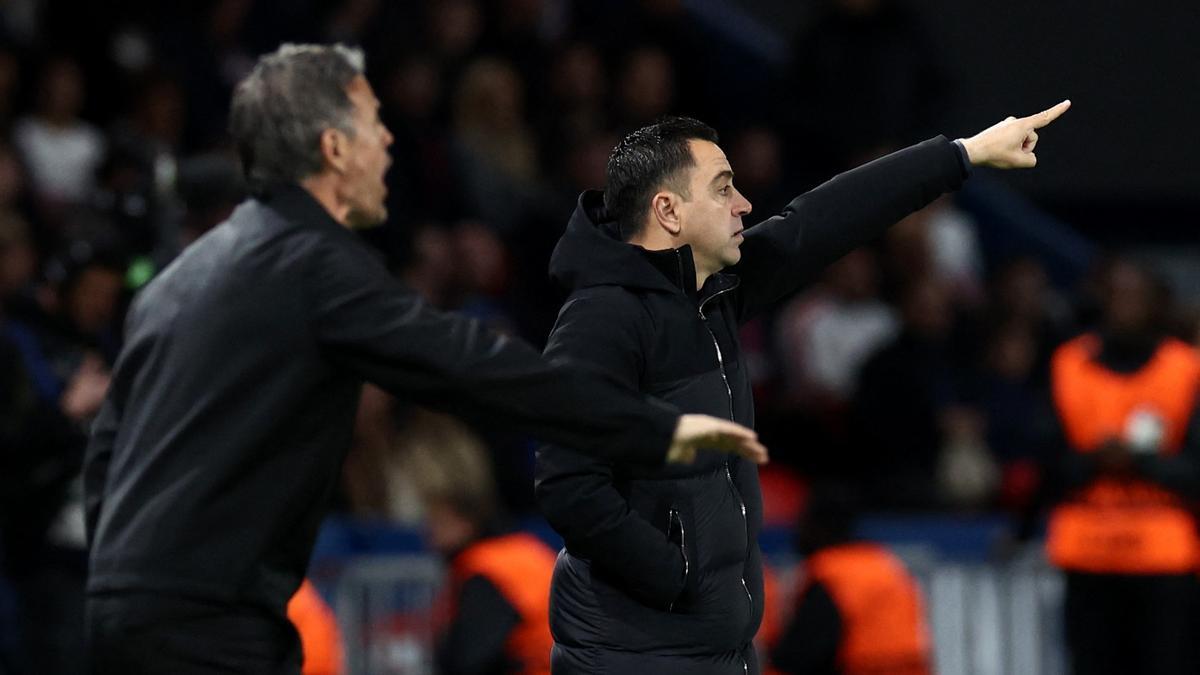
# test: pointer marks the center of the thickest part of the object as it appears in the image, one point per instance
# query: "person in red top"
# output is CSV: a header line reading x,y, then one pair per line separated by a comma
x,y
859,611
1124,528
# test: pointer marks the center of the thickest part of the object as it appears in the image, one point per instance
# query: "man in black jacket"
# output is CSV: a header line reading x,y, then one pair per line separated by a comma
x,y
231,406
661,570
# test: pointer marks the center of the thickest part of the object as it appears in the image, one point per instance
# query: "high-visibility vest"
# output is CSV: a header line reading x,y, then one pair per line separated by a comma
x,y
319,635
884,630
1124,525
519,566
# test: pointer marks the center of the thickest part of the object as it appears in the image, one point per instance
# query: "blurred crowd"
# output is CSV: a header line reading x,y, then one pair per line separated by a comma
x,y
916,368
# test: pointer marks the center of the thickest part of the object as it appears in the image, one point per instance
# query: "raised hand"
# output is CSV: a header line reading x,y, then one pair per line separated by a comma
x,y
1009,144
701,431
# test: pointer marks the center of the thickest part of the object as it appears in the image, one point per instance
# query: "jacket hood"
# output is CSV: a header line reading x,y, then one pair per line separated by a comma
x,y
591,253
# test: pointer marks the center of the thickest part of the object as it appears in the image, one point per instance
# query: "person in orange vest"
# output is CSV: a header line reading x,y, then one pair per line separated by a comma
x,y
496,603
859,611
320,639
1123,529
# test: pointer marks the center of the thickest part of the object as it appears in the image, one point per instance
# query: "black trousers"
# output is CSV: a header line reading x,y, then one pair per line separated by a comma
x,y
1122,624
134,633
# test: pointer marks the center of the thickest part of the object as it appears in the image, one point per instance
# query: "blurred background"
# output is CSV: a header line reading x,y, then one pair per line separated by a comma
x,y
915,371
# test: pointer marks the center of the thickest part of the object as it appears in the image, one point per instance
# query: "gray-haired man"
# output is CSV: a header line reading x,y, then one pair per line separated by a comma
x,y
231,406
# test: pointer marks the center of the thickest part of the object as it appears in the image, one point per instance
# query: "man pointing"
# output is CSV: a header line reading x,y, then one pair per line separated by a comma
x,y
661,572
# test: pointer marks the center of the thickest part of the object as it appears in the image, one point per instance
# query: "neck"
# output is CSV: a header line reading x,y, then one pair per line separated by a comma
x,y
324,188
662,242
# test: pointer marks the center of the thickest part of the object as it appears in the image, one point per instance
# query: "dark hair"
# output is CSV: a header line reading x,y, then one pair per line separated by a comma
x,y
646,159
281,108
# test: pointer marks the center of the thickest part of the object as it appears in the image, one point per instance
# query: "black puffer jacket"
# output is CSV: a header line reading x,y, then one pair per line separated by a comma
x,y
662,570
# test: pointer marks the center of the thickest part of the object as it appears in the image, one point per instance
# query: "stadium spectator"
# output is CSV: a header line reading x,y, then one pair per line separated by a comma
x,y
1128,470
858,610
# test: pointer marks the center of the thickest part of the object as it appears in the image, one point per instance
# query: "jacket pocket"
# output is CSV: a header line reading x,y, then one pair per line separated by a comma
x,y
677,535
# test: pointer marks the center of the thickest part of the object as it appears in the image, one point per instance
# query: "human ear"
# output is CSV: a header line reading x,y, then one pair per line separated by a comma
x,y
665,209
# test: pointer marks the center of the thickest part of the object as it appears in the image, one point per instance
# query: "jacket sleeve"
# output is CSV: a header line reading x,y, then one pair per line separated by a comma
x,y
577,493
95,464
367,322
784,252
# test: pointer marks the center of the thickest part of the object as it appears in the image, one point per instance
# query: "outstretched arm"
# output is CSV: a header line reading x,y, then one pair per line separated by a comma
x,y
783,253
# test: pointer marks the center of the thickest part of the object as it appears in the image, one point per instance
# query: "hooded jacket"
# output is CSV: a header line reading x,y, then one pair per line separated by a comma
x,y
661,571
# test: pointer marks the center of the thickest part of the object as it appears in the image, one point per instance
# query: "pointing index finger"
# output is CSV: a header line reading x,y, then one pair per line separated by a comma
x,y
1047,116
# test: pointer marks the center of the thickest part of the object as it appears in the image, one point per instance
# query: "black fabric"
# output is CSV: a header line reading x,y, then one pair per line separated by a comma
x,y
473,643
232,405
1129,624
809,643
662,564
137,633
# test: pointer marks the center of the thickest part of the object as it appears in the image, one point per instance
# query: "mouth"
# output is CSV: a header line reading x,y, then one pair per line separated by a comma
x,y
738,234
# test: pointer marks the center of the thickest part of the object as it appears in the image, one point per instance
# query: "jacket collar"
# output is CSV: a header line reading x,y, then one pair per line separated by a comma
x,y
591,253
296,205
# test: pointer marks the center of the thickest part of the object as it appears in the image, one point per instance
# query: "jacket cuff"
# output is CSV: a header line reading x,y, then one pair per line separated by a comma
x,y
964,160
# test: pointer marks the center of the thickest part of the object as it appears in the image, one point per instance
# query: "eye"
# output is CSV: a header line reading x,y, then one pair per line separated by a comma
x,y
725,190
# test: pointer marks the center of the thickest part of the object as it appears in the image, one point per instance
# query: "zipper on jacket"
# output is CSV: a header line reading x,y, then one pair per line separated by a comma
x,y
717,346
728,474
672,518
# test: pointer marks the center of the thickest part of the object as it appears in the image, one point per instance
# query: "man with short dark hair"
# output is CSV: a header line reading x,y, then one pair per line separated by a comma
x,y
661,570
231,406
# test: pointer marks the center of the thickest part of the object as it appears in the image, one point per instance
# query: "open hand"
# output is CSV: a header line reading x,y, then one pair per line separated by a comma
x,y
1010,144
701,431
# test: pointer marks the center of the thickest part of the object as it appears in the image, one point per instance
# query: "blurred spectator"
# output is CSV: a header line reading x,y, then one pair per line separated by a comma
x,y
859,610
425,181
499,151
453,30
645,87
865,80
1128,471
61,346
1018,412
1021,294
575,109
758,155
826,335
939,239
18,261
61,150
210,186
10,82
906,400
207,46
499,587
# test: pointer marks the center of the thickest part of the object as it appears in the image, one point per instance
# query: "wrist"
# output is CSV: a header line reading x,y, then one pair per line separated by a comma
x,y
974,153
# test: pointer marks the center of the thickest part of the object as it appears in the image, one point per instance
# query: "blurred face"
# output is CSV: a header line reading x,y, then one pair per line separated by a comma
x,y
711,221
1130,300
92,302
63,90
446,529
363,187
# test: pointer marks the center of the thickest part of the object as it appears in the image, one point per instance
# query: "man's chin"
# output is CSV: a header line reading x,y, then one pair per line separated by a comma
x,y
363,220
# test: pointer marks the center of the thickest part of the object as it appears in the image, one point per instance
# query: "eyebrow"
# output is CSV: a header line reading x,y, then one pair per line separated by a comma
x,y
727,173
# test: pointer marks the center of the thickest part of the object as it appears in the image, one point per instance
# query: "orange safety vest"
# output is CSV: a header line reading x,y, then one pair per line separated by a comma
x,y
884,631
319,635
1123,525
519,566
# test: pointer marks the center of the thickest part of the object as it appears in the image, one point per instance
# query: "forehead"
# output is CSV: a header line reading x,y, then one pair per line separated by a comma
x,y
360,93
709,157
